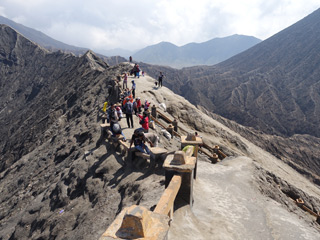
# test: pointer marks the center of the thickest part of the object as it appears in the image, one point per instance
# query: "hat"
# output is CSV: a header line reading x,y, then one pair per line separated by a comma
x,y
117,108
116,127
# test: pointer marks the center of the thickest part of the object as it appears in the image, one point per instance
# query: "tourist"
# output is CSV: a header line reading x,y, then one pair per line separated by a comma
x,y
160,78
138,139
133,89
144,121
128,109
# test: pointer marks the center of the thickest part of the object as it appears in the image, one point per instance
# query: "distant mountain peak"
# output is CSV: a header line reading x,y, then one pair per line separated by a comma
x,y
191,54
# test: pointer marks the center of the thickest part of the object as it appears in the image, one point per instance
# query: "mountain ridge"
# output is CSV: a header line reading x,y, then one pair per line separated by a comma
x,y
273,86
206,53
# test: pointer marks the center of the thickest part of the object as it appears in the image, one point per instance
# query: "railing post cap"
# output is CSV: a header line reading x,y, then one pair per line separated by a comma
x,y
137,222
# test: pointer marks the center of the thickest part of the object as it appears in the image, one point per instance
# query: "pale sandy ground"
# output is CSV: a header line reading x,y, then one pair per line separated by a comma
x,y
227,202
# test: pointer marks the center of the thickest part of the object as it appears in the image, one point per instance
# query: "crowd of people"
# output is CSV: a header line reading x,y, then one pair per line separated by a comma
x,y
131,106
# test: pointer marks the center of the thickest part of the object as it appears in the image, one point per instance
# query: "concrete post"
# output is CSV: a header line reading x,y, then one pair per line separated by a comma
x,y
154,111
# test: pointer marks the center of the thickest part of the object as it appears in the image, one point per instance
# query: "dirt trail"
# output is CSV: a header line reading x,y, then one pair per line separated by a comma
x,y
227,205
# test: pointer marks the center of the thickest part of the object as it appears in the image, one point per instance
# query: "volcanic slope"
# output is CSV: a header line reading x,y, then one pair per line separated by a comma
x,y
273,86
59,180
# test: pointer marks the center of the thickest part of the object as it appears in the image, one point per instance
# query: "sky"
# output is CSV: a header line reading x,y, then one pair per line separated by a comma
x,y
128,24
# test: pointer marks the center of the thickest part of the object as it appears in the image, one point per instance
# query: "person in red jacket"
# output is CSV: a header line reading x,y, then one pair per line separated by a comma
x,y
144,121
138,104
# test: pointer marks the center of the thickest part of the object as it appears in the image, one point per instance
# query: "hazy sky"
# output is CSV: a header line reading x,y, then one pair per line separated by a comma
x,y
133,24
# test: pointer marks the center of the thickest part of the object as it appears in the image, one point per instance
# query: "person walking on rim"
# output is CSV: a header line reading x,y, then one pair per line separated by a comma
x,y
160,78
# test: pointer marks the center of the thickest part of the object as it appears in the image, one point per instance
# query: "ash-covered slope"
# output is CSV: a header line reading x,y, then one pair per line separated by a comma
x,y
57,179
273,87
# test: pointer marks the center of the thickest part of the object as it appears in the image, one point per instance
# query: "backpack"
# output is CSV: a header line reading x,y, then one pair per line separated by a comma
x,y
129,107
143,120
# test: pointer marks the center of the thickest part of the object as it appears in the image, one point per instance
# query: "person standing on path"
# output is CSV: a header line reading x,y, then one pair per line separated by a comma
x,y
129,110
133,90
137,71
125,81
160,78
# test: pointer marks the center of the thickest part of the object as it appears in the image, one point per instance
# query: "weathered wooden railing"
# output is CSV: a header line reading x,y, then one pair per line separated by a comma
x,y
137,221
215,152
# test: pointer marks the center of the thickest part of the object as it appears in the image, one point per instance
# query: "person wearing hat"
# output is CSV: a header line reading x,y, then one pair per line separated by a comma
x,y
138,139
146,104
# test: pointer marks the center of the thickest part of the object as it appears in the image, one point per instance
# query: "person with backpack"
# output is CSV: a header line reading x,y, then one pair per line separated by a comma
x,y
112,116
128,108
144,121
138,139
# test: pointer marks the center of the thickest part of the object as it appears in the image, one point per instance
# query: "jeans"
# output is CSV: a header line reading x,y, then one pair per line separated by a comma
x,y
143,148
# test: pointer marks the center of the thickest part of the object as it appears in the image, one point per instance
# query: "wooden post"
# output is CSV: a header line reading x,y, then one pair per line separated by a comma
x,y
154,111
170,130
175,125
214,158
219,152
